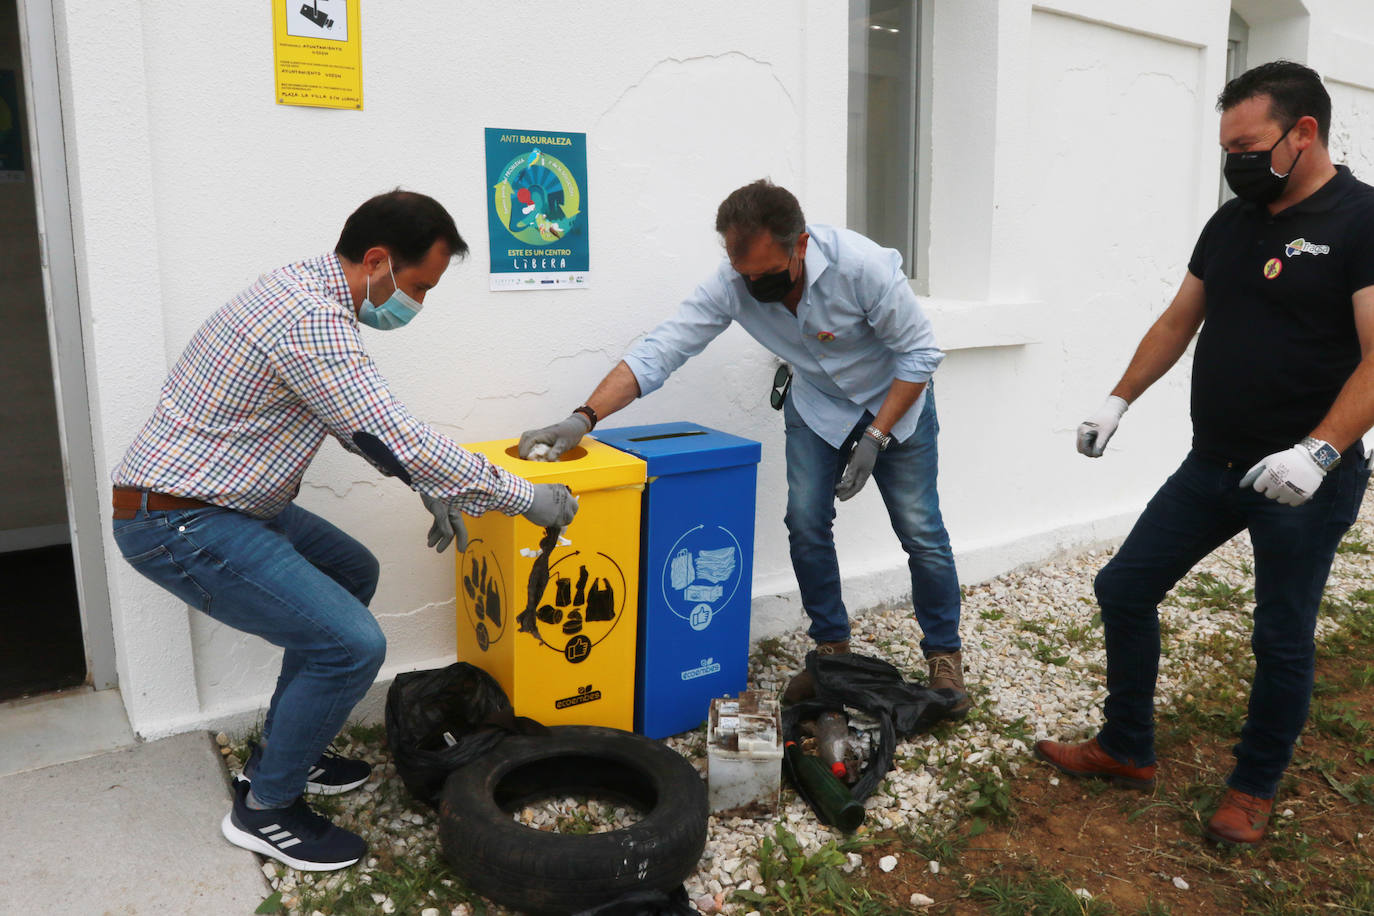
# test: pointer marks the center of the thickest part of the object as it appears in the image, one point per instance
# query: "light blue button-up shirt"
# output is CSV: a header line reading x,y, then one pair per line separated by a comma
x,y
858,327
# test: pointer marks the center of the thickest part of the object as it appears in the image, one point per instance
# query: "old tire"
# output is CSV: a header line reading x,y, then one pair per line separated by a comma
x,y
542,872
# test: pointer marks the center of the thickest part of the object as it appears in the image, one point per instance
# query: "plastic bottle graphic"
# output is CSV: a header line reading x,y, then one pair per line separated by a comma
x,y
832,736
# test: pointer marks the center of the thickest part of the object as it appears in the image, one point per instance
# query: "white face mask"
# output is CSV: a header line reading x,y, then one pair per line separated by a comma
x,y
395,312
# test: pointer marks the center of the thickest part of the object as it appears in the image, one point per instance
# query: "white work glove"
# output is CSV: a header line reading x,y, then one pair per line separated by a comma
x,y
860,466
554,505
1290,476
549,443
448,524
1095,432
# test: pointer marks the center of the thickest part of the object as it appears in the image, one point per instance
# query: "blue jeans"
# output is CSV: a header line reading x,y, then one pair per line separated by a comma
x,y
1199,508
905,475
296,581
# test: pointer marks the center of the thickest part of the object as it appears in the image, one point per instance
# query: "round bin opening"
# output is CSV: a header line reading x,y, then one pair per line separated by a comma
x,y
571,454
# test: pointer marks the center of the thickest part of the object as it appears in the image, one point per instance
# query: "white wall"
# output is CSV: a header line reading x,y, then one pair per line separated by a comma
x,y
1073,161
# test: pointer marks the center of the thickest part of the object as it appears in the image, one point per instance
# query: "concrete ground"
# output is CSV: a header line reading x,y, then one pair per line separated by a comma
x,y
127,831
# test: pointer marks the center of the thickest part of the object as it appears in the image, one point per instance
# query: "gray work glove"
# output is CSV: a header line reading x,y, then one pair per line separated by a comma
x,y
555,439
554,505
448,524
859,468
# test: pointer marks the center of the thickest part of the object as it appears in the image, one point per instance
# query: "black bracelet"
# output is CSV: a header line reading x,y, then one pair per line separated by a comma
x,y
590,414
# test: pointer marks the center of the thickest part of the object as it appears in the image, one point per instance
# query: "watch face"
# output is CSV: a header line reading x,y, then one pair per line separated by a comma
x,y
1327,456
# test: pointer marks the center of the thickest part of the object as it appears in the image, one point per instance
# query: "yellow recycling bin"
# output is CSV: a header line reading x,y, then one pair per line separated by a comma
x,y
568,658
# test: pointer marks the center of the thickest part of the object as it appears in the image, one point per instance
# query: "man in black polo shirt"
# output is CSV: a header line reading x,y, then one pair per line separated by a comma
x,y
1283,388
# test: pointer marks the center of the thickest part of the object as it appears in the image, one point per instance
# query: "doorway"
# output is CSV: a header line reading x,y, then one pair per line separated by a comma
x,y
40,614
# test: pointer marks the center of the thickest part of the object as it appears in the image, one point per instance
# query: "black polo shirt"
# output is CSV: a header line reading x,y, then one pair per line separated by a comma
x,y
1279,338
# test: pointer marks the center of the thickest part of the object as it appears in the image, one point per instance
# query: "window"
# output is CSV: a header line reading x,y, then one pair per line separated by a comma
x,y
1237,40
883,77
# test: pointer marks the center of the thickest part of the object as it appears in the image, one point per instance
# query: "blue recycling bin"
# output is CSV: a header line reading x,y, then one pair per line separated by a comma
x,y
696,570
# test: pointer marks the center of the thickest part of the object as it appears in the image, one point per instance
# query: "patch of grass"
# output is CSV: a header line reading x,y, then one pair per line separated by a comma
x,y
944,847
1038,893
1047,654
800,885
361,734
412,884
1354,543
992,614
1207,590
1339,720
1031,626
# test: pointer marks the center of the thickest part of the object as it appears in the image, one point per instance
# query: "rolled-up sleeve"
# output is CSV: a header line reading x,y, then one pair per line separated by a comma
x,y
895,314
700,318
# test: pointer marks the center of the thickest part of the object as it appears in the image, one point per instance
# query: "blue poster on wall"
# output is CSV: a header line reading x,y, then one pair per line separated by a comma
x,y
537,209
11,139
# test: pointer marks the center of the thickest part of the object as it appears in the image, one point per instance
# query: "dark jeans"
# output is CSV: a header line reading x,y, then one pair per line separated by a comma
x,y
296,581
1199,508
905,476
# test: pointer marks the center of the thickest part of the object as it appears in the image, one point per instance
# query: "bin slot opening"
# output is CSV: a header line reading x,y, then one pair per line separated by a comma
x,y
571,454
695,432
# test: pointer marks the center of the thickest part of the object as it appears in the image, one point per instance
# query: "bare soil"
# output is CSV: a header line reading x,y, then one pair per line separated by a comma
x,y
1126,848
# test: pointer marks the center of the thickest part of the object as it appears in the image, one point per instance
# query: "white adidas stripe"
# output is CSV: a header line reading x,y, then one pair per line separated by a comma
x,y
280,836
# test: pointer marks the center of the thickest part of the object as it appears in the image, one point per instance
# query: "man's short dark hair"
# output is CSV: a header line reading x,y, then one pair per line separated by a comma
x,y
1294,91
760,206
405,222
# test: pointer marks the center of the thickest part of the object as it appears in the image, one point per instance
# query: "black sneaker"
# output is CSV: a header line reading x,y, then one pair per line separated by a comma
x,y
293,835
330,775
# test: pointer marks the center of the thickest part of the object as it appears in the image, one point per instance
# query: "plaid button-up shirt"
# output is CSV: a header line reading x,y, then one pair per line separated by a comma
x,y
266,377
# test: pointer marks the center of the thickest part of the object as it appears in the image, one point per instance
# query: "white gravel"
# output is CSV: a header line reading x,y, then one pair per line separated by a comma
x,y
1032,652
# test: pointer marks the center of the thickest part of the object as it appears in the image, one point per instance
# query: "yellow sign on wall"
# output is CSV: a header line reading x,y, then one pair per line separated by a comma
x,y
317,45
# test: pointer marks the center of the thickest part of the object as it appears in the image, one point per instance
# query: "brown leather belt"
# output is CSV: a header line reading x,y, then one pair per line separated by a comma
x,y
128,500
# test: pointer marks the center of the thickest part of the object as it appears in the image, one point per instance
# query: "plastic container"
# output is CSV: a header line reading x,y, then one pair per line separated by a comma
x,y
743,755
832,739
697,569
580,667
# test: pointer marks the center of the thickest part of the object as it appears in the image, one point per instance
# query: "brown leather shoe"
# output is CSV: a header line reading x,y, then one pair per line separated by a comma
x,y
947,673
1240,819
1089,760
802,687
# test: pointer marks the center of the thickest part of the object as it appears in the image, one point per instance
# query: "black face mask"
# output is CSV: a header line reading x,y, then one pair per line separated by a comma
x,y
1252,177
772,287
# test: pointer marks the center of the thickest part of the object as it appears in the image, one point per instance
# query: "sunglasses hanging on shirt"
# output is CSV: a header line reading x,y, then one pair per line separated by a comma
x,y
782,382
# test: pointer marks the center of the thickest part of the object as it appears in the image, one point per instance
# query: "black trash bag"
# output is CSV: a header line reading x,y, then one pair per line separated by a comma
x,y
903,708
461,701
645,903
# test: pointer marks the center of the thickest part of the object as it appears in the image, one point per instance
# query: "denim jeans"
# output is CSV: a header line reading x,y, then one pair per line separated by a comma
x,y
1199,508
905,474
296,581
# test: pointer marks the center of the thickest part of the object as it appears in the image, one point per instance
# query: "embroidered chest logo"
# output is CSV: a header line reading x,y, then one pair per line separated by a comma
x,y
1272,268
825,336
1303,246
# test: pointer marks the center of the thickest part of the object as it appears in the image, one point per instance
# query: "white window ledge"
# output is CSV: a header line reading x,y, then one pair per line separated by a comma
x,y
962,324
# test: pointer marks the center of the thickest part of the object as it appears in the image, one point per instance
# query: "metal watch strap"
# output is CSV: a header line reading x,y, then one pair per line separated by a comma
x,y
1323,453
883,439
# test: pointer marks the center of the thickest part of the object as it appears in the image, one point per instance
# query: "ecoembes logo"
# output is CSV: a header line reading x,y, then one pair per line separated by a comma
x,y
707,666
584,695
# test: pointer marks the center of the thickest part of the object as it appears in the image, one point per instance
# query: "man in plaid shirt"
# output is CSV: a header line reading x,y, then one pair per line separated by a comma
x,y
203,497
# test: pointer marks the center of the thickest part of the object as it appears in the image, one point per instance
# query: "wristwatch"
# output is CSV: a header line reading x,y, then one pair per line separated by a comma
x,y
1322,452
884,439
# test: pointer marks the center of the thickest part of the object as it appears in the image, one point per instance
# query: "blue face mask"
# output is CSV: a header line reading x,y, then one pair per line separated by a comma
x,y
391,314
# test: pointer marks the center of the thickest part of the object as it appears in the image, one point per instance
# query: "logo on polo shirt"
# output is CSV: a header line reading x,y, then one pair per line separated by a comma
x,y
825,336
1272,268
1301,246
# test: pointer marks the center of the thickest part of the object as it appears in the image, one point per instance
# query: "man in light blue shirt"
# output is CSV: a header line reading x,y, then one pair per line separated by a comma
x,y
838,308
